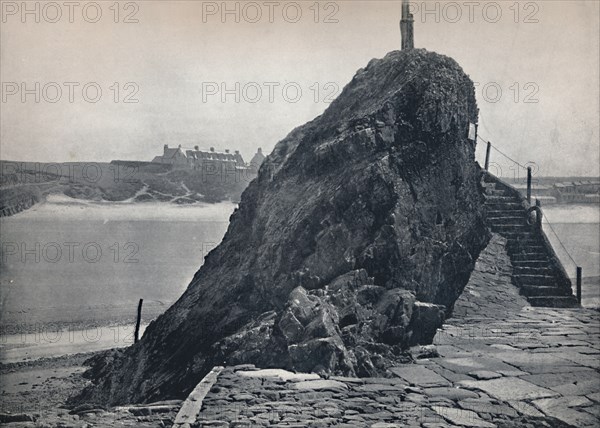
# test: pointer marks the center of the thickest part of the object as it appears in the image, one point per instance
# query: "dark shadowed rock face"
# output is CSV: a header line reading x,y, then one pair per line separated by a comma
x,y
352,244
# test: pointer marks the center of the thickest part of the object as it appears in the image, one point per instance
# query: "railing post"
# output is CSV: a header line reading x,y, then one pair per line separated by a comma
x,y
529,184
137,324
540,215
579,273
487,155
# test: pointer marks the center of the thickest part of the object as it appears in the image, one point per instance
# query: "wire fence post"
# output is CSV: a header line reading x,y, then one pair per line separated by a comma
x,y
579,274
487,156
529,184
137,324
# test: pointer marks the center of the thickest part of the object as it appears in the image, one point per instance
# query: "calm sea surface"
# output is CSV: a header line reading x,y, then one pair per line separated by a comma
x,y
578,228
68,260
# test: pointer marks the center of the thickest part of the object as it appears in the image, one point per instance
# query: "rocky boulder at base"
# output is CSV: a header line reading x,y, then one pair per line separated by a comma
x,y
352,244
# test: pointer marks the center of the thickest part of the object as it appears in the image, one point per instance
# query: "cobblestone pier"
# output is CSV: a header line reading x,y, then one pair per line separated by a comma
x,y
498,362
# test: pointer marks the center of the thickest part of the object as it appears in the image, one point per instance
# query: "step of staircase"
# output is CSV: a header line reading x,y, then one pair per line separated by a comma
x,y
524,240
544,291
518,248
554,301
526,279
525,249
501,198
531,263
511,228
529,257
512,211
507,219
519,235
503,206
526,270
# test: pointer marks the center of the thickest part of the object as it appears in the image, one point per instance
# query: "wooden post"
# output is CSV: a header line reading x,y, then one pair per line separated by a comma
x,y
579,273
529,184
139,319
487,155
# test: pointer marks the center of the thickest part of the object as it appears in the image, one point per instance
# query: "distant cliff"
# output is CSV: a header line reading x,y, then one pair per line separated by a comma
x,y
19,198
354,242
22,184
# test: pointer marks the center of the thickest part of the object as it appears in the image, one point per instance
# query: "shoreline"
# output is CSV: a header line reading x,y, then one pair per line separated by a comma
x,y
46,344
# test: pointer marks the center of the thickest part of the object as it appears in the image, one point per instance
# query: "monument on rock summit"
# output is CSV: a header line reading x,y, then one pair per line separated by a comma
x,y
407,27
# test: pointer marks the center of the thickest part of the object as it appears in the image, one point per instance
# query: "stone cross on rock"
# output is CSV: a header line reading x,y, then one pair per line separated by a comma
x,y
406,27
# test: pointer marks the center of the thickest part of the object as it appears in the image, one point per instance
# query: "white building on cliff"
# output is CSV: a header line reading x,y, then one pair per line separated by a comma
x,y
203,159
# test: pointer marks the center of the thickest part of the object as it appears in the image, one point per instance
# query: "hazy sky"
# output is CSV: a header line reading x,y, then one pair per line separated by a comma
x,y
543,56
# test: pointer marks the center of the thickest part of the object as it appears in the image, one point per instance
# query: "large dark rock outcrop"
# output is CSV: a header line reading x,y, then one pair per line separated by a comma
x,y
352,244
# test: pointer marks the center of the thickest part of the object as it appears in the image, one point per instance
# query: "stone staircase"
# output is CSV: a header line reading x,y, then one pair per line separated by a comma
x,y
537,270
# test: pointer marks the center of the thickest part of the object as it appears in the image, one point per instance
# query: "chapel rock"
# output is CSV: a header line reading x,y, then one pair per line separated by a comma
x,y
352,244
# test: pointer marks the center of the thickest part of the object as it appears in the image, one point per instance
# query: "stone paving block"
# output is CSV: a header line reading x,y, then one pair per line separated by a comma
x,y
321,384
595,396
592,410
549,368
548,380
573,401
502,346
382,415
579,388
385,425
484,406
416,398
377,387
484,375
348,380
450,393
570,415
509,388
278,374
525,408
530,345
527,359
453,377
515,372
584,350
462,417
450,351
591,361
470,364
419,375
312,395
384,380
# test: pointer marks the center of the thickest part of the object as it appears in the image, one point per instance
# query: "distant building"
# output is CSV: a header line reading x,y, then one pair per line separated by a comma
x,y
257,159
577,192
199,159
175,157
209,160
